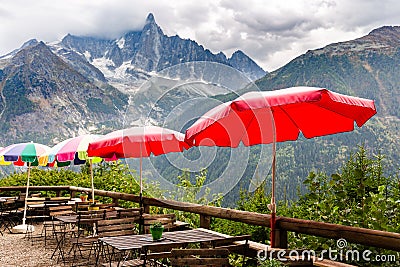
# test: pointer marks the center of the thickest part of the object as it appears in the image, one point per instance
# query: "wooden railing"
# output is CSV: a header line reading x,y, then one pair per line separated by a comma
x,y
374,238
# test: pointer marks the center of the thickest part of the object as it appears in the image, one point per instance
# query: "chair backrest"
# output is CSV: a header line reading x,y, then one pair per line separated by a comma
x,y
60,210
129,212
91,216
107,206
117,227
167,220
200,257
83,206
237,244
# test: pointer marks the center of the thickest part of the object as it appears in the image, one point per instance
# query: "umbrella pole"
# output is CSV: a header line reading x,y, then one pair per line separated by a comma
x,y
26,194
273,204
141,182
91,177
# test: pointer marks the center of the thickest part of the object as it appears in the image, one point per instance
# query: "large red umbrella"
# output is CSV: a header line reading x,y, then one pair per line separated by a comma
x,y
138,142
277,116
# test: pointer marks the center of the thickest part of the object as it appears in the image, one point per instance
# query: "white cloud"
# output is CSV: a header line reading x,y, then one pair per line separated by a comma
x,y
271,32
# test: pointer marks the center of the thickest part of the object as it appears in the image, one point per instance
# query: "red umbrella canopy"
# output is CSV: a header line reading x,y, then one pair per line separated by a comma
x,y
254,117
138,142
277,116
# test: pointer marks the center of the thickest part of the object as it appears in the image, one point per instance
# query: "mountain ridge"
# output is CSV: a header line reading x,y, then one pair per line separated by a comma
x,y
138,53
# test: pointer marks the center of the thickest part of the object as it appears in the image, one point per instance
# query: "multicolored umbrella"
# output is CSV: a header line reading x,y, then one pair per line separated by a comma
x,y
2,162
138,142
278,116
72,150
27,153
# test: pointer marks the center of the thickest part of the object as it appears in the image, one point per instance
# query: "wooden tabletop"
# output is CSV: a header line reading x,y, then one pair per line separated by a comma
x,y
67,218
131,242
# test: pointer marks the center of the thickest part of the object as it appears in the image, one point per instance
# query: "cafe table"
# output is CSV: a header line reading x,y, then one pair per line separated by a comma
x,y
118,248
72,223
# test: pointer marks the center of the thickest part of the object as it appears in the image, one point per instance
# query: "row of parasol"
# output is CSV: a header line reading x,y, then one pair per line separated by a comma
x,y
253,118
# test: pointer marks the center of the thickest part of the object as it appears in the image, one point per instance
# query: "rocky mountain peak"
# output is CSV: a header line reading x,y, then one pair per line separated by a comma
x,y
151,24
246,65
29,43
130,58
150,19
388,35
150,46
32,56
385,39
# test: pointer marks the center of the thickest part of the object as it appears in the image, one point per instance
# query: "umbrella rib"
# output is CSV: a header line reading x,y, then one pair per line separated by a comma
x,y
252,119
290,118
247,127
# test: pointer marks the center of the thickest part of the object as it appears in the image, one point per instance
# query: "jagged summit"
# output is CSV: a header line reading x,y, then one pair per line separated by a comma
x,y
386,31
150,19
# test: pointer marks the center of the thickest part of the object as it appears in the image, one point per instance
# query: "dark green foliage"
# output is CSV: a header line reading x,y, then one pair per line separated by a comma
x,y
41,177
359,195
113,176
256,202
352,196
188,190
270,263
16,93
97,105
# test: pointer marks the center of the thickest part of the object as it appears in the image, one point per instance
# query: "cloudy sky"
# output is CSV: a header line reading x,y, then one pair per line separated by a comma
x,y
271,32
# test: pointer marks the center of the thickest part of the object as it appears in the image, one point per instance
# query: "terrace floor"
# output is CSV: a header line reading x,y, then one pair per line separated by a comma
x,y
17,251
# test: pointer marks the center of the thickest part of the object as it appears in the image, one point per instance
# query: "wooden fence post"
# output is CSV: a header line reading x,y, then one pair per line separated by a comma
x,y
205,221
281,239
146,208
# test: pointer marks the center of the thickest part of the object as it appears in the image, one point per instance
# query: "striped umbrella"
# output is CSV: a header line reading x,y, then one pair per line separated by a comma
x,y
26,153
2,162
71,150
